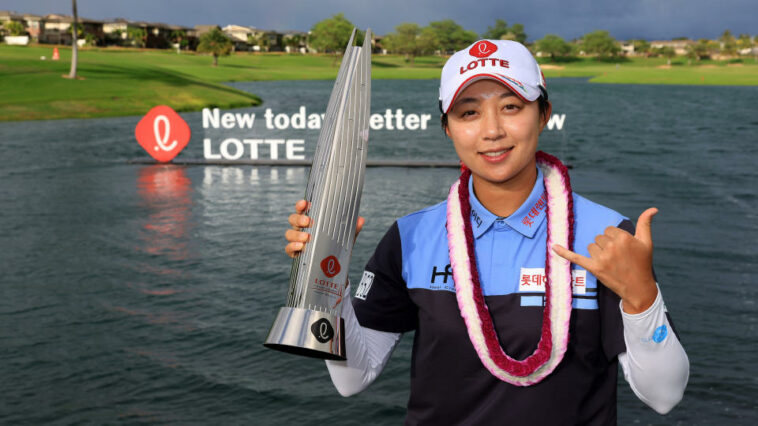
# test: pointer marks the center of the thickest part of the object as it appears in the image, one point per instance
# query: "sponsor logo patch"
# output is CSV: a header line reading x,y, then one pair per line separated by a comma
x,y
162,133
532,280
579,281
482,49
322,330
365,285
660,334
443,273
331,266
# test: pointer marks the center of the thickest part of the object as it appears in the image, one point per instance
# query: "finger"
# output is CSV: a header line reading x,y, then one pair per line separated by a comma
x,y
602,241
614,232
594,250
299,220
643,231
572,257
296,236
301,206
292,249
359,225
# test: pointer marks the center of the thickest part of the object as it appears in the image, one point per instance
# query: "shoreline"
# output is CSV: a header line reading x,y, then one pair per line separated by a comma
x,y
124,82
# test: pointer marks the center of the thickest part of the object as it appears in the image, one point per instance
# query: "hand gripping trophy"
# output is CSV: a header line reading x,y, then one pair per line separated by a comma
x,y
311,324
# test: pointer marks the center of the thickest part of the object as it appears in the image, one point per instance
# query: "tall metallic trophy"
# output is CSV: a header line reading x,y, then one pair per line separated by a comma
x,y
311,324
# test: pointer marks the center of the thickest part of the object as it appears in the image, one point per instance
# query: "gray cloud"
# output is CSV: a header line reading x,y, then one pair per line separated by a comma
x,y
650,19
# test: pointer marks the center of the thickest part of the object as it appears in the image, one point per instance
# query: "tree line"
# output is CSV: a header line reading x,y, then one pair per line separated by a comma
x,y
445,37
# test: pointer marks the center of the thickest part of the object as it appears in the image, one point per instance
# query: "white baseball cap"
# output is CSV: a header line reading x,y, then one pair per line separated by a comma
x,y
508,62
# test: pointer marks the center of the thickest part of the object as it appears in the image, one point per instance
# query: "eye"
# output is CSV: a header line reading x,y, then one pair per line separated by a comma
x,y
468,113
512,107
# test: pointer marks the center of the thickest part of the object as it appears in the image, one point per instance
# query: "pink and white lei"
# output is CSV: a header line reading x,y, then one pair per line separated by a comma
x,y
557,312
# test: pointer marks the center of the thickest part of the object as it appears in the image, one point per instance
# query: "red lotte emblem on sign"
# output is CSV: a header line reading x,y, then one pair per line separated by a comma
x,y
163,133
482,49
330,266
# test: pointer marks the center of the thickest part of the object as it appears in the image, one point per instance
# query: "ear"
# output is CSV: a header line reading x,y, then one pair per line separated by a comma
x,y
545,118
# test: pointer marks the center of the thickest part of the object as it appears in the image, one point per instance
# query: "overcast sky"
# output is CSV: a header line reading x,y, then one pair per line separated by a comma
x,y
625,19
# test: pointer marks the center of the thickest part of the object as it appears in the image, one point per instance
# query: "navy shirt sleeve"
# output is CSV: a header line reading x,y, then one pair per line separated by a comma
x,y
386,304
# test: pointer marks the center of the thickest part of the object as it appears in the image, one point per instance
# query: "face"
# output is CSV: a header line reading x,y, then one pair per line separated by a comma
x,y
495,133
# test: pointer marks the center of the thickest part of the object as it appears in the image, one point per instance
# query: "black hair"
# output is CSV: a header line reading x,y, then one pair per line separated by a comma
x,y
542,104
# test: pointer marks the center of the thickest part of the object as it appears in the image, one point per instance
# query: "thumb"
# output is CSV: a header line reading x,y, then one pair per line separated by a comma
x,y
643,232
358,226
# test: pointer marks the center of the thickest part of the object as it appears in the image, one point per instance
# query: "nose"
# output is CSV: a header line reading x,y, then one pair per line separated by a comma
x,y
492,126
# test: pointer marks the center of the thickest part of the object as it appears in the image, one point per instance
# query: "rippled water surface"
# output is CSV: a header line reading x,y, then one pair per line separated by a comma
x,y
135,293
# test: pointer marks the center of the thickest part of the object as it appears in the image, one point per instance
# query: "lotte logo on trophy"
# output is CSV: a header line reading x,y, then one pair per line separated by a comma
x,y
310,323
331,266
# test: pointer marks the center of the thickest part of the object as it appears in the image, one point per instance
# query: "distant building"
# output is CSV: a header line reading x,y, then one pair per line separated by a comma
x,y
627,47
183,37
34,24
56,29
295,41
241,36
117,31
681,47
268,41
376,44
202,29
158,35
7,15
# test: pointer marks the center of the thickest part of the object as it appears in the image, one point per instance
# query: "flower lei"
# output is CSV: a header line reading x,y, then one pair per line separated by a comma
x,y
557,312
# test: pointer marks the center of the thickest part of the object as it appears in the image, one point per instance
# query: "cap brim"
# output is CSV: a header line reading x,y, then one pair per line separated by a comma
x,y
500,79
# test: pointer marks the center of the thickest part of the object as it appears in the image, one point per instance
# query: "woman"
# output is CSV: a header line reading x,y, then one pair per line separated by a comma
x,y
524,295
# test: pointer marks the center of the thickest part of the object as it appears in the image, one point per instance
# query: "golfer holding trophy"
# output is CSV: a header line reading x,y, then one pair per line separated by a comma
x,y
524,296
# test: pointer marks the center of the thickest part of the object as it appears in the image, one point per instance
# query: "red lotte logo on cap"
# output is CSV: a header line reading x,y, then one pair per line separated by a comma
x,y
330,266
162,133
482,49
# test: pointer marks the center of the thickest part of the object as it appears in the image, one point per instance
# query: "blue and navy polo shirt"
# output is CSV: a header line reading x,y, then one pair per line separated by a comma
x,y
408,285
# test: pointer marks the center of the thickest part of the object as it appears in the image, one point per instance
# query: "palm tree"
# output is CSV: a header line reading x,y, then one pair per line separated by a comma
x,y
216,43
74,50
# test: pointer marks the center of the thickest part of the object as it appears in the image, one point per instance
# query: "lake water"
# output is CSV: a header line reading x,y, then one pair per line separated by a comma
x,y
143,293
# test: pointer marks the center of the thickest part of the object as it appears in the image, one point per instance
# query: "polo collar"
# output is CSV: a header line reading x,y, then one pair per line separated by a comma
x,y
481,218
526,219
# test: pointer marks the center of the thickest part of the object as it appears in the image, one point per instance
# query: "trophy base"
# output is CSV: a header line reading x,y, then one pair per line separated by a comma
x,y
309,333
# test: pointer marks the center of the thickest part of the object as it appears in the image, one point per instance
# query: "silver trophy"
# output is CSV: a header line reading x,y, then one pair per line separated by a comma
x,y
311,324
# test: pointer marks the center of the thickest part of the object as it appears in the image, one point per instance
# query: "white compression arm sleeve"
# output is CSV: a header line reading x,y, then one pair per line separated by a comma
x,y
654,364
367,350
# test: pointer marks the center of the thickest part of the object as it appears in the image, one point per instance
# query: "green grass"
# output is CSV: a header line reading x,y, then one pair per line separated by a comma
x,y
120,82
656,71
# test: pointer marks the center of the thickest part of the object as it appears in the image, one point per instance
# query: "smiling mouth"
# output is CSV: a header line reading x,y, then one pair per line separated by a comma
x,y
494,154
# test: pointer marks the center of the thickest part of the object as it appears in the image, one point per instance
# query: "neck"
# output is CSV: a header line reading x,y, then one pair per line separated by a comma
x,y
504,198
